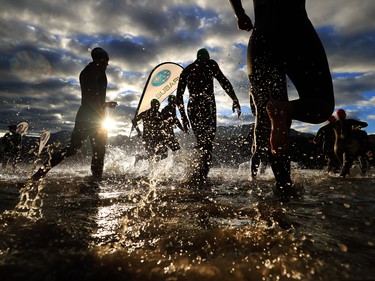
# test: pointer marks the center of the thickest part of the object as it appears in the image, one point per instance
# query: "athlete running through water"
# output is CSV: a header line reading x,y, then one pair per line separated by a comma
x,y
171,121
90,117
153,137
284,43
198,77
350,142
325,142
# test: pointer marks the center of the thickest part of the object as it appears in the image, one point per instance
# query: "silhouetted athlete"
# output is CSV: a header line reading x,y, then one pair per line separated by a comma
x,y
89,118
284,43
168,115
153,137
198,77
12,142
325,140
350,142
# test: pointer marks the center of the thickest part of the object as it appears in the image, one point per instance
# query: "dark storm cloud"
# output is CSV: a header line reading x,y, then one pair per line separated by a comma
x,y
351,90
45,44
349,52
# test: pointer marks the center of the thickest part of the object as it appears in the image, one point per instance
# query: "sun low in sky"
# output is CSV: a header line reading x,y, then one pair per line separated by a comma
x,y
109,124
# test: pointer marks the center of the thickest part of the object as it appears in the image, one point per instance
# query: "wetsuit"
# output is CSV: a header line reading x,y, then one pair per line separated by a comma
x,y
170,120
325,139
350,144
198,77
153,137
284,43
88,122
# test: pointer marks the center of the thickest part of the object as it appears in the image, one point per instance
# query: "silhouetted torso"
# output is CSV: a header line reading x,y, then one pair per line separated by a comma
x,y
93,82
152,124
199,78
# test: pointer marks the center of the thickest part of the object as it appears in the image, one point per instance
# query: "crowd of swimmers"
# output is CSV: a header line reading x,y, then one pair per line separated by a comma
x,y
283,44
342,141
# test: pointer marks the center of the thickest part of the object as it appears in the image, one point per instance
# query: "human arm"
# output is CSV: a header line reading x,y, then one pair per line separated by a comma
x,y
18,140
359,124
236,107
244,22
252,104
318,137
135,124
227,86
182,83
178,123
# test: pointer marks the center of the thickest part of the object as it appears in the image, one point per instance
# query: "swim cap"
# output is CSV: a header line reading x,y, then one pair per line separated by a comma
x,y
155,102
331,119
171,98
341,114
99,54
203,53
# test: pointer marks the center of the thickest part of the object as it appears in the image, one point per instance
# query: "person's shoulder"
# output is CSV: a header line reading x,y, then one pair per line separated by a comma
x,y
89,66
90,69
328,126
166,108
189,67
213,62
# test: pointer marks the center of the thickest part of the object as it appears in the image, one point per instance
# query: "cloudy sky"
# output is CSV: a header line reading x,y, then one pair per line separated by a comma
x,y
44,44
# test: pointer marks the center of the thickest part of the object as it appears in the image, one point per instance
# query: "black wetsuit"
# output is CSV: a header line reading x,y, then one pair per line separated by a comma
x,y
350,144
170,120
198,77
88,122
153,134
325,139
285,43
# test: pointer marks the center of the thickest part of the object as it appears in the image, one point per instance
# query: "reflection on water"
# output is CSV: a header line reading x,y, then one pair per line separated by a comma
x,y
141,224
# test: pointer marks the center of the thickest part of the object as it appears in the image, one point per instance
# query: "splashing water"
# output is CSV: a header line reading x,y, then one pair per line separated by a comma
x,y
142,223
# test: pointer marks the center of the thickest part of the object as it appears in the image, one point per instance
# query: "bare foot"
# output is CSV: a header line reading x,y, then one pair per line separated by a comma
x,y
279,113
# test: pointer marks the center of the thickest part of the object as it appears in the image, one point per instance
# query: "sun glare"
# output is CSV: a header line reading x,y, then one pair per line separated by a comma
x,y
109,124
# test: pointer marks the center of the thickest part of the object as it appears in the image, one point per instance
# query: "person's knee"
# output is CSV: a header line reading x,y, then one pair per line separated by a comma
x,y
324,111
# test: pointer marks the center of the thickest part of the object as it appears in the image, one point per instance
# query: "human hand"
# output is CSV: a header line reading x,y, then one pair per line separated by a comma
x,y
185,124
236,107
111,104
244,22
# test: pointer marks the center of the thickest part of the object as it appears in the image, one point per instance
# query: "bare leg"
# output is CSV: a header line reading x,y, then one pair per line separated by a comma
x,y
279,113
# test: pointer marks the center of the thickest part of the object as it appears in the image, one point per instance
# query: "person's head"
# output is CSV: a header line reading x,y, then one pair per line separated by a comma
x,y
171,99
155,104
331,119
341,114
100,56
12,128
203,54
